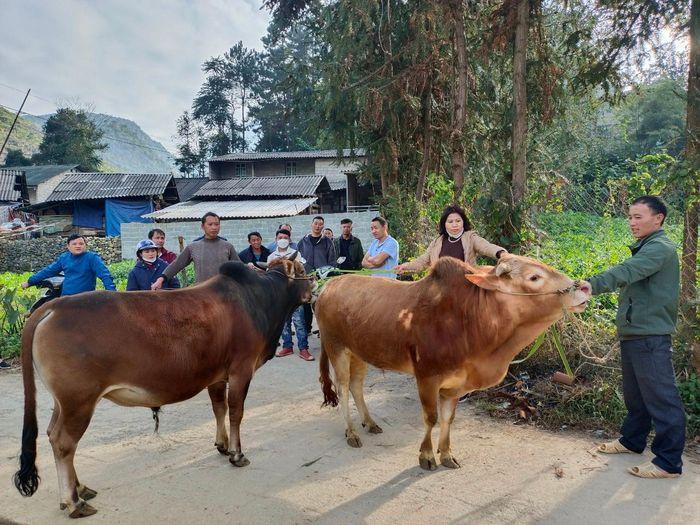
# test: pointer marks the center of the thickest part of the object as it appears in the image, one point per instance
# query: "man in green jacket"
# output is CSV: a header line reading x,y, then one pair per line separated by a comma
x,y
646,318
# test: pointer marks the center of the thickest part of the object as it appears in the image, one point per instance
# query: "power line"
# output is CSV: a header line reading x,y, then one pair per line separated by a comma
x,y
98,127
31,94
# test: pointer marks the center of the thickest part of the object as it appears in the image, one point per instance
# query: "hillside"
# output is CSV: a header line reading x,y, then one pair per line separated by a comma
x,y
25,136
130,148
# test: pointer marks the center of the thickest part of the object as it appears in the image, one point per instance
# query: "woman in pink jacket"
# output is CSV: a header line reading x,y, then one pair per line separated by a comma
x,y
456,239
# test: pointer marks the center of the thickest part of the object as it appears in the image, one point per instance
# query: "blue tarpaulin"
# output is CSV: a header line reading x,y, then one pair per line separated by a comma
x,y
119,211
89,214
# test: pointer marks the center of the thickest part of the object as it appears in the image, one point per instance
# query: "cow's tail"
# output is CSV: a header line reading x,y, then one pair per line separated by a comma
x,y
329,395
27,479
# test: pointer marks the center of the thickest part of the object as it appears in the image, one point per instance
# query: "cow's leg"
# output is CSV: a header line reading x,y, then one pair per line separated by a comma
x,y
341,366
358,370
217,394
428,393
238,384
65,432
447,416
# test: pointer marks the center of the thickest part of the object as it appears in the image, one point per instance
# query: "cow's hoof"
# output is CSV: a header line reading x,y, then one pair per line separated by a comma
x,y
223,449
354,441
82,510
449,462
374,429
427,463
239,460
86,492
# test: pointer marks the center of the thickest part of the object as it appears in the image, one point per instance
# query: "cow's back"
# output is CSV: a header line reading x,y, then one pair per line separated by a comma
x,y
138,338
369,316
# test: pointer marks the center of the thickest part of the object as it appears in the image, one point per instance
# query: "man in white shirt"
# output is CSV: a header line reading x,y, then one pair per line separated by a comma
x,y
283,249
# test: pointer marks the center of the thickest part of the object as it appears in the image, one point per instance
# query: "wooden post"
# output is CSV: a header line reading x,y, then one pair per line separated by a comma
x,y
183,273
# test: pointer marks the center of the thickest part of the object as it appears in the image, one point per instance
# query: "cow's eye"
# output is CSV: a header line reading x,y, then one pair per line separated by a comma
x,y
534,278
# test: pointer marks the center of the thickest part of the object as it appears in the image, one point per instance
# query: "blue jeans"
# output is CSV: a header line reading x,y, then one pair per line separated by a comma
x,y
299,326
651,396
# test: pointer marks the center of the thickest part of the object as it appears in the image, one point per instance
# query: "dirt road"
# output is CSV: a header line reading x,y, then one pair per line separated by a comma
x,y
302,471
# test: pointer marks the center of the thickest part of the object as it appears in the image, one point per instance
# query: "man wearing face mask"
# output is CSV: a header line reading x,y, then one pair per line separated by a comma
x,y
148,268
298,316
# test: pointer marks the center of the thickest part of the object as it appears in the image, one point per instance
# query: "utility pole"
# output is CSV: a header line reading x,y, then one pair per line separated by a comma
x,y
14,122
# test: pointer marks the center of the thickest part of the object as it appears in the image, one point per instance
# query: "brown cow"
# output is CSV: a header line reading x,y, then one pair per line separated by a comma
x,y
151,349
455,330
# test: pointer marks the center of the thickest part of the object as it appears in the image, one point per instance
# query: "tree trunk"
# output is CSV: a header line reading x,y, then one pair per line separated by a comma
x,y
460,97
692,154
243,118
427,137
519,138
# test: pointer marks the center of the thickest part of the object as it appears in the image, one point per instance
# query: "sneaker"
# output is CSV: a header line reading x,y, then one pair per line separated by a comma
x,y
4,364
284,352
305,355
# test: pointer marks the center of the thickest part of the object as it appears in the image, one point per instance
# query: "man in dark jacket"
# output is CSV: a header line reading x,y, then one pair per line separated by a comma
x,y
348,247
256,252
646,318
318,251
148,268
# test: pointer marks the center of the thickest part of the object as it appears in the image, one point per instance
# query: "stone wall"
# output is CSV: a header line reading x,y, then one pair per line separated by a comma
x,y
236,231
33,254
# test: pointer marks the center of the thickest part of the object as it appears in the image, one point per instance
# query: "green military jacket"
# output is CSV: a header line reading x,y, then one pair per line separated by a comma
x,y
649,282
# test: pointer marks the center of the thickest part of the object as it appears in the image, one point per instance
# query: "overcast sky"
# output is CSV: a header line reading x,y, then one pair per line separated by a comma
x,y
137,59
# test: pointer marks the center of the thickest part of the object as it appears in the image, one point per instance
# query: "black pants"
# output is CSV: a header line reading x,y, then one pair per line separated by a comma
x,y
651,396
308,317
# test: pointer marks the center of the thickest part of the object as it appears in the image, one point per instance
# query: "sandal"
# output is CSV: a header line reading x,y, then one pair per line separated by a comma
x,y
650,471
613,447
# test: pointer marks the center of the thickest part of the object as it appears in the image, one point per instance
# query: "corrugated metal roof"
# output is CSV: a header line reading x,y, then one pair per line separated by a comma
x,y
38,174
233,209
188,186
88,186
299,186
7,186
337,181
265,155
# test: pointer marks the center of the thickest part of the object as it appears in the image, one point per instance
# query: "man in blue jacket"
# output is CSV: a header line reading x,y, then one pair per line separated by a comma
x,y
80,267
148,268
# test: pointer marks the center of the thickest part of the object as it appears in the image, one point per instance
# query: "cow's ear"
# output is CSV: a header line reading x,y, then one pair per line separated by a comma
x,y
483,280
294,256
290,267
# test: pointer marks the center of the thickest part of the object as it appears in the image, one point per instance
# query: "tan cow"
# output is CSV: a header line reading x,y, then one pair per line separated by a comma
x,y
455,330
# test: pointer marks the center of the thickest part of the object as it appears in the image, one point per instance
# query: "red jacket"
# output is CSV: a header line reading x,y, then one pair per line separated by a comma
x,y
167,256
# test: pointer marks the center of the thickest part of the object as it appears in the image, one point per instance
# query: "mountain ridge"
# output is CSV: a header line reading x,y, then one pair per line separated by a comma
x,y
130,149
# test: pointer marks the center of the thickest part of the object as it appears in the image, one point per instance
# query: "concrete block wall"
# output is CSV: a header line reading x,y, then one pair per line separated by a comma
x,y
236,230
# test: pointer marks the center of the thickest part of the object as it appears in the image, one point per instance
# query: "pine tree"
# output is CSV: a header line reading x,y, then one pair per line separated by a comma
x,y
71,138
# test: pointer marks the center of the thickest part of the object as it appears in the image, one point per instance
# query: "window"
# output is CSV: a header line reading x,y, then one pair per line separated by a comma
x,y
290,168
240,169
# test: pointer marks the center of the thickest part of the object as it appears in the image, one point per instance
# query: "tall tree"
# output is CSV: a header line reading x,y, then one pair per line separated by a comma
x,y
519,138
692,155
192,150
287,88
70,137
227,88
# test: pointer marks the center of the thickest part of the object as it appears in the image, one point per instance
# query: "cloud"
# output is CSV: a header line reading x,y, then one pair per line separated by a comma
x,y
137,59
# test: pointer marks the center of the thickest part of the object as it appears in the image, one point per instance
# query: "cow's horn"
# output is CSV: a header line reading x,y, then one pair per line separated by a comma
x,y
503,268
293,256
262,265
